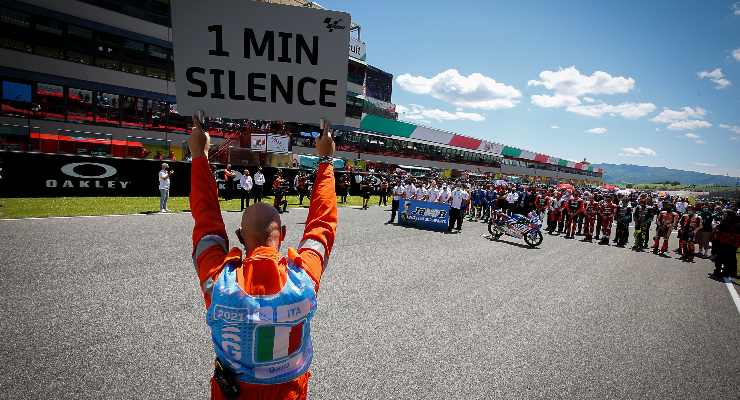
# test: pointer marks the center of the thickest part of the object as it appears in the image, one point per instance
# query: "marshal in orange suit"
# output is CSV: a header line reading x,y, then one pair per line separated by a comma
x,y
260,304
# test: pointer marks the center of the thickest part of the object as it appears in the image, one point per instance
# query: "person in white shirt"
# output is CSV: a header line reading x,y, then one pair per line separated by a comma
x,y
164,187
433,193
398,192
444,194
410,192
421,193
511,198
246,184
259,181
458,199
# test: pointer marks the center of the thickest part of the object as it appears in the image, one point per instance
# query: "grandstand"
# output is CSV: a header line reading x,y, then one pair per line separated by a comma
x,y
96,78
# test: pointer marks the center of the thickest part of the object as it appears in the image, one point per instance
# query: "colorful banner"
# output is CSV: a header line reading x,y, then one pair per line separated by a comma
x,y
425,215
389,127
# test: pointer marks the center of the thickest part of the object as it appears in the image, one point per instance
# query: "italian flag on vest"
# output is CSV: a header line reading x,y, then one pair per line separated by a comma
x,y
276,342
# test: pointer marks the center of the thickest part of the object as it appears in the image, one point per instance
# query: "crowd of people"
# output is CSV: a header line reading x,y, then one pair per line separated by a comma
x,y
644,220
706,229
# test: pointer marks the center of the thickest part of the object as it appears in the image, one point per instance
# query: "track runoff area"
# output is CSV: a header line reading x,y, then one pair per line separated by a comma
x,y
109,307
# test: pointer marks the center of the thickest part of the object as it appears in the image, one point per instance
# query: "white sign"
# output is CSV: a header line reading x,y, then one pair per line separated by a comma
x,y
357,49
247,59
259,142
277,143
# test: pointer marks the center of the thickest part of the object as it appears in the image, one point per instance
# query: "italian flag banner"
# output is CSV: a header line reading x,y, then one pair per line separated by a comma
x,y
276,342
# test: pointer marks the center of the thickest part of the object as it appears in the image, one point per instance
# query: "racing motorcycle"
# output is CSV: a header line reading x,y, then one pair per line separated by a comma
x,y
518,226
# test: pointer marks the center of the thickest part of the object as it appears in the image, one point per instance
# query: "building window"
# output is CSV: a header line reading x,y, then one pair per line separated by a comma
x,y
133,111
80,105
107,111
49,102
16,99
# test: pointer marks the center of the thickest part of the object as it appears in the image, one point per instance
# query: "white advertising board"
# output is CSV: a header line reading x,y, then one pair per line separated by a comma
x,y
277,143
258,142
357,49
252,60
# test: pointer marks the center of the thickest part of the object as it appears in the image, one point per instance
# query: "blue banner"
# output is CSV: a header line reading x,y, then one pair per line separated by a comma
x,y
423,214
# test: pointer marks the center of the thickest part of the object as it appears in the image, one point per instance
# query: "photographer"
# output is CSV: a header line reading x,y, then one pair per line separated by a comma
x,y
164,187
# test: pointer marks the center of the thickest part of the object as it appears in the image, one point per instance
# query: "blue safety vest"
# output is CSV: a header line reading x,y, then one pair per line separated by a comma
x,y
263,339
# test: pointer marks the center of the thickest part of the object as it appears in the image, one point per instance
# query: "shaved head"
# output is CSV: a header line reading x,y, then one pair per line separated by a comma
x,y
261,226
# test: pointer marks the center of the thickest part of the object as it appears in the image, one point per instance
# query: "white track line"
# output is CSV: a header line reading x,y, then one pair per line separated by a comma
x,y
93,216
733,293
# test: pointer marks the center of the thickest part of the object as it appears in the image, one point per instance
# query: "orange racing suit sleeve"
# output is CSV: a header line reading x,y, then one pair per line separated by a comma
x,y
210,242
321,225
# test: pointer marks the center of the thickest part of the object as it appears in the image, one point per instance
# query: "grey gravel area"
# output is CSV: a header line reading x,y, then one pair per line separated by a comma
x,y
109,307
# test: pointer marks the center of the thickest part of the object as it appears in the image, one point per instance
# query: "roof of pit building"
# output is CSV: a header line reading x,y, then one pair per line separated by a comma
x,y
390,127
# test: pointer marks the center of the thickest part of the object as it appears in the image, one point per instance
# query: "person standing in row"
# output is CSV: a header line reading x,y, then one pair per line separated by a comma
x,y
383,200
164,187
259,182
607,210
624,218
591,214
458,201
398,192
725,241
246,184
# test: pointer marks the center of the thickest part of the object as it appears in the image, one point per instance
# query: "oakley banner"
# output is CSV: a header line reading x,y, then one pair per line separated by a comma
x,y
423,214
247,59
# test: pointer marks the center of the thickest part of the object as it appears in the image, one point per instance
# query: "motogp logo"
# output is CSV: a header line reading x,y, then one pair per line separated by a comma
x,y
333,24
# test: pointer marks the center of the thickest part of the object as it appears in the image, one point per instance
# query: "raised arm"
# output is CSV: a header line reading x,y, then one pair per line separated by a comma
x,y
321,223
210,241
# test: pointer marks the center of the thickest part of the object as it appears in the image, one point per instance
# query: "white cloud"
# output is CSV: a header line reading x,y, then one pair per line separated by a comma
x,y
570,82
696,138
686,118
736,8
555,127
556,101
703,164
732,128
626,110
734,138
570,88
473,91
419,113
715,76
689,125
736,54
637,151
598,131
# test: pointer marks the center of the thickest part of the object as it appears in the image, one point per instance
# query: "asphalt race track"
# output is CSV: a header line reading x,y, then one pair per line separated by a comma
x,y
109,307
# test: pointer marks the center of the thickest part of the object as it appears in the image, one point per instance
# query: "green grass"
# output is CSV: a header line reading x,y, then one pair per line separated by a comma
x,y
73,206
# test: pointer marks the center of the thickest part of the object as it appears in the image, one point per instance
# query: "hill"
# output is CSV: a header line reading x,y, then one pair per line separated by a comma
x,y
628,173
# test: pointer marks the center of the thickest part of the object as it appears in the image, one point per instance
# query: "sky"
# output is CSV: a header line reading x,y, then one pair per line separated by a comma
x,y
652,83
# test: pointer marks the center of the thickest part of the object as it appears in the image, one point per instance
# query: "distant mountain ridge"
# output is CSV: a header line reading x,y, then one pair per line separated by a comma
x,y
628,173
